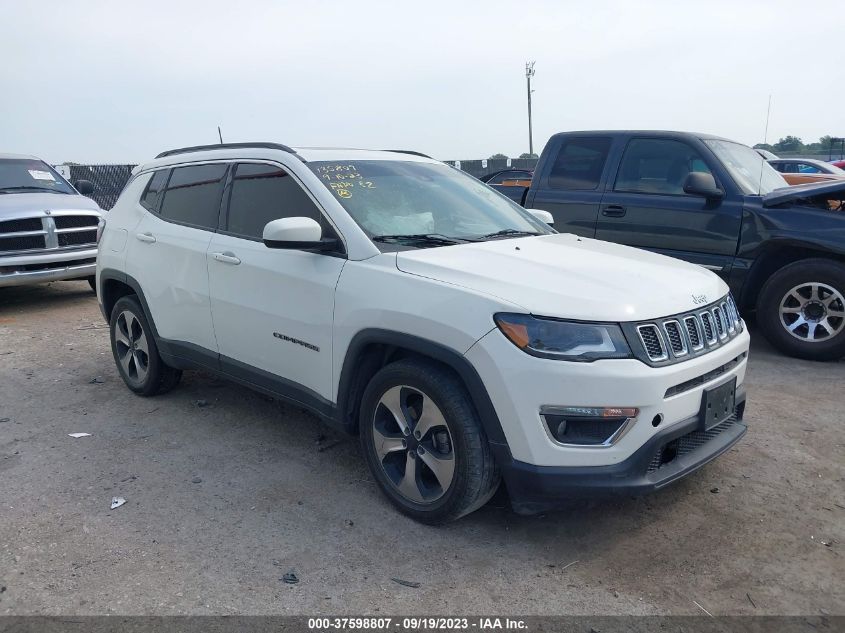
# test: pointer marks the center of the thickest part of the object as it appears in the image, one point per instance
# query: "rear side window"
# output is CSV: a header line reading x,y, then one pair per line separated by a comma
x,y
579,163
155,188
262,193
658,166
193,195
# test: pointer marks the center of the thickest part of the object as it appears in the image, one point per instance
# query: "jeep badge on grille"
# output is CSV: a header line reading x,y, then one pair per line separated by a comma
x,y
699,299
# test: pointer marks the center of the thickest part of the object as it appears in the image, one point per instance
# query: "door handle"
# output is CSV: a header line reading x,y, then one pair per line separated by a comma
x,y
227,258
147,237
613,211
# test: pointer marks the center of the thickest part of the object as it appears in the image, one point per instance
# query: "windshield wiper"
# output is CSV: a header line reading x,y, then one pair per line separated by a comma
x,y
29,187
426,238
508,233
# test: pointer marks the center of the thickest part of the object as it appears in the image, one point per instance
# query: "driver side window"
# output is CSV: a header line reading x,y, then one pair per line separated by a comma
x,y
658,166
262,193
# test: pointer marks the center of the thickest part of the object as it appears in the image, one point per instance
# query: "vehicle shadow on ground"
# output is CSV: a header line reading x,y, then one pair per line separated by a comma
x,y
44,296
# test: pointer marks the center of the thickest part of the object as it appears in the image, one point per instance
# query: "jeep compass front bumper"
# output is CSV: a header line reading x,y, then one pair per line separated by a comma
x,y
668,456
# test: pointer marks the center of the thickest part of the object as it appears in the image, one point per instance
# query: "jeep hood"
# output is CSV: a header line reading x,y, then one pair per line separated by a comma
x,y
800,192
571,277
17,204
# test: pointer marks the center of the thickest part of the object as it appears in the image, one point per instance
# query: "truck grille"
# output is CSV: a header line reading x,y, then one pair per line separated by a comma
x,y
47,232
667,340
77,238
24,224
75,221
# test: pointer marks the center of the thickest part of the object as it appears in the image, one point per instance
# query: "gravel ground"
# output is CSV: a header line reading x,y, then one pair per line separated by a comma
x,y
222,500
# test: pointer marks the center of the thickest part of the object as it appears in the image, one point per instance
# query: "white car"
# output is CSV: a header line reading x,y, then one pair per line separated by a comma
x,y
398,298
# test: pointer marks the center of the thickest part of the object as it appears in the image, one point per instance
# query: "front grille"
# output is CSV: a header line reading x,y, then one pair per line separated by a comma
x,y
694,332
24,224
652,341
681,336
676,339
704,378
75,221
707,322
21,243
685,444
719,319
77,238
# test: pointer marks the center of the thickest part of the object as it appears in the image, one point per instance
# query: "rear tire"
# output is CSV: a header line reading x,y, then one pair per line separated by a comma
x,y
92,281
801,309
135,352
424,442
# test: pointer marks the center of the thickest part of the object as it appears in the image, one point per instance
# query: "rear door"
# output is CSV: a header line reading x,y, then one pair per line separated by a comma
x,y
273,309
645,205
167,254
570,187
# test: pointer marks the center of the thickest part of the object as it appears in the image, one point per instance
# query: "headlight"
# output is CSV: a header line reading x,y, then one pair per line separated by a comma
x,y
564,340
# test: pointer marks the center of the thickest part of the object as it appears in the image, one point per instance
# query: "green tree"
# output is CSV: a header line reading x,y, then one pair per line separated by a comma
x,y
766,146
789,144
498,157
527,155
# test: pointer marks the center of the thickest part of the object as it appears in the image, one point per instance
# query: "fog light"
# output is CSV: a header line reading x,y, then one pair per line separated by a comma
x,y
588,426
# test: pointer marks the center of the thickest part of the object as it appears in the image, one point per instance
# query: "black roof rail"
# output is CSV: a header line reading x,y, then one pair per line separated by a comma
x,y
200,148
407,151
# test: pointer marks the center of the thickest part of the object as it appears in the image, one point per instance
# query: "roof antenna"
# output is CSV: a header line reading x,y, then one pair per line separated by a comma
x,y
220,134
768,112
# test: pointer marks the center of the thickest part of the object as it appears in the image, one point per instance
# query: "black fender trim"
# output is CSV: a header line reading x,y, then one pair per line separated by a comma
x,y
449,357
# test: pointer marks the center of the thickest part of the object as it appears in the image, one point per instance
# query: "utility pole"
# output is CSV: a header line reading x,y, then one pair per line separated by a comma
x,y
529,73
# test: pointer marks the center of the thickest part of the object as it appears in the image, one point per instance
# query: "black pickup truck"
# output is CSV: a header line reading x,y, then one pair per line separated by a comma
x,y
716,203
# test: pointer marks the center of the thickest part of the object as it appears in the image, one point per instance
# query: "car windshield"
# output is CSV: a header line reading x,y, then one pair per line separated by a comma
x,y
28,175
750,171
428,204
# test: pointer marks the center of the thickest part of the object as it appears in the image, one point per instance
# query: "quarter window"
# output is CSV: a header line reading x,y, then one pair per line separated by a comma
x,y
155,188
263,193
193,195
658,166
579,163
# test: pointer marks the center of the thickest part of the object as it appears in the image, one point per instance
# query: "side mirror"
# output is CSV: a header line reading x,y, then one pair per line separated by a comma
x,y
700,183
544,216
302,234
85,187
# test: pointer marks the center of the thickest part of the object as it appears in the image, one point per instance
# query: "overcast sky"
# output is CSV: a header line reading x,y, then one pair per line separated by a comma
x,y
121,81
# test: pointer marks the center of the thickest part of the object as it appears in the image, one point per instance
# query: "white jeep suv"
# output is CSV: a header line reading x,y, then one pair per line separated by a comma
x,y
400,299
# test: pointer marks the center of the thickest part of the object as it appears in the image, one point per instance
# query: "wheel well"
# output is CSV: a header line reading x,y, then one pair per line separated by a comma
x,y
112,290
771,261
367,362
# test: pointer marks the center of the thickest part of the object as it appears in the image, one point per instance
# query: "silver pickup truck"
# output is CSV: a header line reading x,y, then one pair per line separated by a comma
x,y
48,229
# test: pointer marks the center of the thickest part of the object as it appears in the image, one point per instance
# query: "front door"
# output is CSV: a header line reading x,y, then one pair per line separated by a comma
x,y
646,206
273,309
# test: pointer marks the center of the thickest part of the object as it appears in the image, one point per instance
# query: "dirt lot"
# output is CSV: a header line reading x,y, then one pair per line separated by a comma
x,y
223,499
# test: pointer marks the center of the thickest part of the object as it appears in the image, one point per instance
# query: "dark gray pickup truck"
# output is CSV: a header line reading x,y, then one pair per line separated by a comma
x,y
716,203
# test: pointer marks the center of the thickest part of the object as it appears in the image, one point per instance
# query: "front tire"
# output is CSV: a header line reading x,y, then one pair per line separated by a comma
x,y
801,309
135,352
424,443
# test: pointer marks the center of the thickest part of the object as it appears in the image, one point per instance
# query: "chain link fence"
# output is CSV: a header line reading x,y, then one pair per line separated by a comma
x,y
109,180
